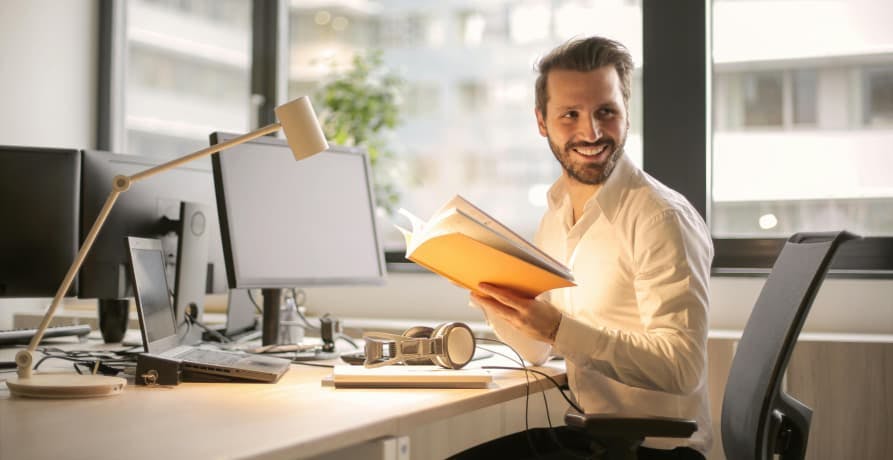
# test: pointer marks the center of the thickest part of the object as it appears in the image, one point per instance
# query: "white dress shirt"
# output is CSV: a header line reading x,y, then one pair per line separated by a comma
x,y
634,329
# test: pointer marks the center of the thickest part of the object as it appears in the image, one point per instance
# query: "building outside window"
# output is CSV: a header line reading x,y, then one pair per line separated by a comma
x,y
803,139
187,74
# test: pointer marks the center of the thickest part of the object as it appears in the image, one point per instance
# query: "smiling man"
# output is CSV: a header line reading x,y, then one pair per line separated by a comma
x,y
634,329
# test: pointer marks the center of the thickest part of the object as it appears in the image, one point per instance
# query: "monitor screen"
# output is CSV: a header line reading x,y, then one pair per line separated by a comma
x,y
287,223
39,198
141,212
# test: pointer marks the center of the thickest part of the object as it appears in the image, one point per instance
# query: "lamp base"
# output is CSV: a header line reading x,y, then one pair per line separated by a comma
x,y
66,386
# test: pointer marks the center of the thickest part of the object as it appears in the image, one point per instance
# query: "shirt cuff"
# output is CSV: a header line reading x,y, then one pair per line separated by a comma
x,y
575,338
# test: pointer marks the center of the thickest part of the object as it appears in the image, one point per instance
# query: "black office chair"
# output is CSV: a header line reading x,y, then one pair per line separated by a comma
x,y
758,419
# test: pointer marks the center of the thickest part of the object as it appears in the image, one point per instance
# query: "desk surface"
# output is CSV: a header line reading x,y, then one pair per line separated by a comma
x,y
296,417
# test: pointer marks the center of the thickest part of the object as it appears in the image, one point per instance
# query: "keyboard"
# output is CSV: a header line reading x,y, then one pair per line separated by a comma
x,y
202,356
23,336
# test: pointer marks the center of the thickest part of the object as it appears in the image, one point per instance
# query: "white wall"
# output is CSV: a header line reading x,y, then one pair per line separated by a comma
x,y
48,68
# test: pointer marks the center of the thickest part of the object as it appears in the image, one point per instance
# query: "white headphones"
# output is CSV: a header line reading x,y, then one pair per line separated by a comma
x,y
449,345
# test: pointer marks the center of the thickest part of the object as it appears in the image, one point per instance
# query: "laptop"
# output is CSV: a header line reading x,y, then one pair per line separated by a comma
x,y
159,331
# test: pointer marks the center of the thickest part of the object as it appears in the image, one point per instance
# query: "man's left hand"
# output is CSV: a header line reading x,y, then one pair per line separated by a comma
x,y
535,318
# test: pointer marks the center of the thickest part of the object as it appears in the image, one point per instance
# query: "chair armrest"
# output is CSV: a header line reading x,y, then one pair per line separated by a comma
x,y
620,426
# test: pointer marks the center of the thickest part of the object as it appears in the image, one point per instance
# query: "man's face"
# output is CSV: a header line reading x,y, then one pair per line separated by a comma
x,y
585,122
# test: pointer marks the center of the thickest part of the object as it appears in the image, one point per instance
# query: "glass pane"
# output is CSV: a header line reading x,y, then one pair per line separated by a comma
x,y
188,73
805,90
466,111
803,117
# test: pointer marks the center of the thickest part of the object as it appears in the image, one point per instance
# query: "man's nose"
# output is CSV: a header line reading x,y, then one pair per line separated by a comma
x,y
590,130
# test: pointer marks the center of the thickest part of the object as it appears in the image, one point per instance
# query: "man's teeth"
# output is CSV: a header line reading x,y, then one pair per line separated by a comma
x,y
590,151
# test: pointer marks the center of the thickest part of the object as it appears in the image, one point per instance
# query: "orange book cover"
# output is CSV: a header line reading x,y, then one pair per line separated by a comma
x,y
468,247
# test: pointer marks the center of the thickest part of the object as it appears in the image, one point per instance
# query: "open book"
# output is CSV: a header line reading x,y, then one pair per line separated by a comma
x,y
468,247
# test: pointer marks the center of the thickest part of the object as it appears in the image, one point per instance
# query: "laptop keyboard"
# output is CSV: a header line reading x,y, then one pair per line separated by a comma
x,y
198,355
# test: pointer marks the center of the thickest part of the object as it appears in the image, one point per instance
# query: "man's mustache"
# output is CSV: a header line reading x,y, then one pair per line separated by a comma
x,y
598,143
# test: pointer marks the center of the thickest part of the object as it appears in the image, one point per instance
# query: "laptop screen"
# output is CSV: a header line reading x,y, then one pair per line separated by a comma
x,y
154,305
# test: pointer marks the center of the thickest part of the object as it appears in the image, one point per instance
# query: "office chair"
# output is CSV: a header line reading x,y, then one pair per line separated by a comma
x,y
758,418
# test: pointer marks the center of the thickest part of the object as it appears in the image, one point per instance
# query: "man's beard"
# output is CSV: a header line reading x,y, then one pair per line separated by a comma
x,y
588,173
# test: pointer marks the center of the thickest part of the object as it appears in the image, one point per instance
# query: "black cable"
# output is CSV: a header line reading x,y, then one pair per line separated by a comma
x,y
524,368
299,304
348,340
256,306
545,400
569,401
527,434
222,338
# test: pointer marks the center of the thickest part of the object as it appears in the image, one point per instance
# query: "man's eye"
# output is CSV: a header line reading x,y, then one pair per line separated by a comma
x,y
571,114
605,112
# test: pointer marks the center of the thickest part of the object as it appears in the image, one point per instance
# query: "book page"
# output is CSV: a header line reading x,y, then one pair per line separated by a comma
x,y
537,255
457,221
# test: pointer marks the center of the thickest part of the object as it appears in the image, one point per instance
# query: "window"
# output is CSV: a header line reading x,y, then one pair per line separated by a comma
x,y
187,74
800,141
879,97
468,123
762,98
805,92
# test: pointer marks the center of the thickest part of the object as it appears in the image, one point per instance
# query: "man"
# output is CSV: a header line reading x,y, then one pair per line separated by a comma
x,y
634,330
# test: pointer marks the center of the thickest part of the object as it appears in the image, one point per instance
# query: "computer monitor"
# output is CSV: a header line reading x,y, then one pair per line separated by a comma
x,y
39,197
151,209
287,223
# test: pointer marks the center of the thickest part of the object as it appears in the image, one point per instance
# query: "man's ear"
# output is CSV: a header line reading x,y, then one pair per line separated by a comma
x,y
541,123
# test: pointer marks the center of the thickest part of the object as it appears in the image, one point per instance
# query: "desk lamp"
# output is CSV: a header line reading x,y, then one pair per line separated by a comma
x,y
305,138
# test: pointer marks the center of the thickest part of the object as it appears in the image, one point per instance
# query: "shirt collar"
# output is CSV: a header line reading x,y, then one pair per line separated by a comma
x,y
608,196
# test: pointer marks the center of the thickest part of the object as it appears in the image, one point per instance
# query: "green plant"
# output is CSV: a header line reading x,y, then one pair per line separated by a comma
x,y
358,108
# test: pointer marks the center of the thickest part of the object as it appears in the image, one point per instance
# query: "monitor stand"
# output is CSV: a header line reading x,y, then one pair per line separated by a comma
x,y
192,264
272,300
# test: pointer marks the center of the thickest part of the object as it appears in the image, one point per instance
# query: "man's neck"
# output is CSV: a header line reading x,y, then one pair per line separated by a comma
x,y
580,194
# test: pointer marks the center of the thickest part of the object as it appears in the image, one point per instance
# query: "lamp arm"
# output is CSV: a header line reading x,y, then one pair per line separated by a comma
x,y
25,358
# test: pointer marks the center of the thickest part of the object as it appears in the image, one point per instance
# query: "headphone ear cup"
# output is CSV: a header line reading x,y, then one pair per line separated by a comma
x,y
419,332
458,345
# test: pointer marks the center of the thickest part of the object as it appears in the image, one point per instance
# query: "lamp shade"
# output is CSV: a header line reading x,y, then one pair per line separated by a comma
x,y
301,128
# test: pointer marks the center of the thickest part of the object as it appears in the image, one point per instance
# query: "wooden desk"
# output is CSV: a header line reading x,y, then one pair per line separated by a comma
x,y
295,418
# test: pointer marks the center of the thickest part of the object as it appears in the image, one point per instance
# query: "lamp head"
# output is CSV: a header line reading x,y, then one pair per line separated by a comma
x,y
301,128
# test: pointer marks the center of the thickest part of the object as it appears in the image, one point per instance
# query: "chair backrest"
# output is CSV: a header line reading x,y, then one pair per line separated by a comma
x,y
758,419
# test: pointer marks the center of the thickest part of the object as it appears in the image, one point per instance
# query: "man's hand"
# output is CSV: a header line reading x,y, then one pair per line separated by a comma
x,y
532,317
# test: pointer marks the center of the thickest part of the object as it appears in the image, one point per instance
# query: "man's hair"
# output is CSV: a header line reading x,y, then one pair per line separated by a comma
x,y
584,55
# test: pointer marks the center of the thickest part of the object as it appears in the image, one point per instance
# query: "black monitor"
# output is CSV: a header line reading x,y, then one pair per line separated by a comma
x,y
151,209
287,223
39,196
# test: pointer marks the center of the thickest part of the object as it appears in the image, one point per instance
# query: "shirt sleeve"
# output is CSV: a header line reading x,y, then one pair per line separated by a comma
x,y
671,255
